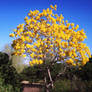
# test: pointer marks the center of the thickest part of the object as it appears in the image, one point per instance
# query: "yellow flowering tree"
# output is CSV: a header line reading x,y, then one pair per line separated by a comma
x,y
47,37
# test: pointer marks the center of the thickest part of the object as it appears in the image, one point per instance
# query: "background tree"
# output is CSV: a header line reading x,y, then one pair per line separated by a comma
x,y
7,71
18,62
32,74
8,50
86,71
46,38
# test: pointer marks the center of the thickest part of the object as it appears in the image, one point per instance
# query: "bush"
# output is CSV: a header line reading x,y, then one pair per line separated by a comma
x,y
7,88
61,86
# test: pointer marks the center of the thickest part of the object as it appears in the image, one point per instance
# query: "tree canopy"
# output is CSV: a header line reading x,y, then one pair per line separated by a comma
x,y
46,33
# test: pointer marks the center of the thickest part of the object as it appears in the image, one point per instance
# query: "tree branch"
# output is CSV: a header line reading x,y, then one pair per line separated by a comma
x,y
48,70
61,73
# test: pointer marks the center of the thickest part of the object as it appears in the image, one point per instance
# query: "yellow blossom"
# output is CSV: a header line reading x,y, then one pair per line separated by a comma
x,y
11,35
46,34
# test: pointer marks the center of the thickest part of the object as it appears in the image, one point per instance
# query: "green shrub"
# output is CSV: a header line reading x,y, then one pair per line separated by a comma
x,y
7,88
61,86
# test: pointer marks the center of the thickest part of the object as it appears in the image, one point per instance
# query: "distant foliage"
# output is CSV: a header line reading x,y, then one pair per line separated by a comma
x,y
4,58
8,73
86,71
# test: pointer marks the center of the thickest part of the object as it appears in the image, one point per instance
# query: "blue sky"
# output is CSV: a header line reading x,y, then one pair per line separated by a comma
x,y
12,13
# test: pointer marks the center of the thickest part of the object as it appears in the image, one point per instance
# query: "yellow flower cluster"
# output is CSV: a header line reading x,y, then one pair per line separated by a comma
x,y
45,32
11,35
53,7
35,61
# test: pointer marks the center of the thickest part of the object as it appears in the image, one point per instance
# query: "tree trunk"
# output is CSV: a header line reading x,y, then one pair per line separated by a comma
x,y
47,90
50,77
